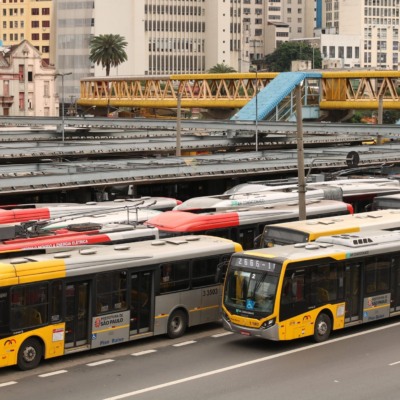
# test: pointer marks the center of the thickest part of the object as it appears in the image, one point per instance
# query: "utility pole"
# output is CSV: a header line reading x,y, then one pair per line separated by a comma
x,y
178,126
300,156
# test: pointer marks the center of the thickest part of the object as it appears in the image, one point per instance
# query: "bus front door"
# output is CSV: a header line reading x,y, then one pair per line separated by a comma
x,y
141,302
353,292
76,314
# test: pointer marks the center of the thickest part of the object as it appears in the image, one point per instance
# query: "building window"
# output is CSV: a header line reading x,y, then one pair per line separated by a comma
x,y
45,11
21,101
35,24
35,11
46,24
349,52
35,36
46,89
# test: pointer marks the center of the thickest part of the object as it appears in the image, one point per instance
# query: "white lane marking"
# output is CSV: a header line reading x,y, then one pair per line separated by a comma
x,y
245,364
95,364
142,353
61,371
222,334
395,363
7,383
184,343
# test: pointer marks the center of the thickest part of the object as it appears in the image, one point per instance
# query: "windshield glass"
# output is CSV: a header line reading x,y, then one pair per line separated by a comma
x,y
280,236
250,293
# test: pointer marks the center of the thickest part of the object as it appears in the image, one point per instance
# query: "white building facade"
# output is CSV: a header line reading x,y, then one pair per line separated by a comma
x,y
374,22
27,84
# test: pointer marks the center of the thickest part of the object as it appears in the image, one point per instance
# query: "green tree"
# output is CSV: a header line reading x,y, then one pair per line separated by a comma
x,y
281,59
108,50
221,69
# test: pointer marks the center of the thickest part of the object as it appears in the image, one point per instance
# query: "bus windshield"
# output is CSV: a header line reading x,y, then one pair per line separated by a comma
x,y
280,236
250,293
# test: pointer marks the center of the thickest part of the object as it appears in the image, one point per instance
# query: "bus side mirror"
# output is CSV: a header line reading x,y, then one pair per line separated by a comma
x,y
221,270
257,242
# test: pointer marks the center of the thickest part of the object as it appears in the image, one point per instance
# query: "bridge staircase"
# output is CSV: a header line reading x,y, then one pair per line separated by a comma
x,y
277,102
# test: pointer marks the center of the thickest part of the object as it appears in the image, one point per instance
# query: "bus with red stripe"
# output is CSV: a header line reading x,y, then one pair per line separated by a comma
x,y
241,225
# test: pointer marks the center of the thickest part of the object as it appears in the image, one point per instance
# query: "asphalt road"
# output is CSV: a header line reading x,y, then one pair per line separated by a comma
x,y
360,363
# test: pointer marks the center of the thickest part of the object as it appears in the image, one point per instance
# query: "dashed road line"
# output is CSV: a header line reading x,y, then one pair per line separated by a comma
x,y
61,371
142,353
184,343
222,334
95,364
8,383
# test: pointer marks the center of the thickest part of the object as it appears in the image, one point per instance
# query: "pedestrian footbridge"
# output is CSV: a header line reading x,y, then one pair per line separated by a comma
x,y
321,90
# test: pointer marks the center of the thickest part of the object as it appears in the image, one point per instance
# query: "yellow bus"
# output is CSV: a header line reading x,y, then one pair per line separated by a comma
x,y
63,302
309,230
310,289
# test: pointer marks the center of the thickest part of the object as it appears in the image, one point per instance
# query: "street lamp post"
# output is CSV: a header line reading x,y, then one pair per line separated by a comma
x,y
62,103
256,109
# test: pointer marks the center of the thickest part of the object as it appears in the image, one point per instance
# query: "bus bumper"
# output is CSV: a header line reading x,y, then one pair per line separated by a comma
x,y
270,333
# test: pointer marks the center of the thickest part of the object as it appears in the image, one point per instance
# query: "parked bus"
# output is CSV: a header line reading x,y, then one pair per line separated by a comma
x,y
60,303
77,236
126,212
309,230
385,202
289,292
358,192
153,203
241,225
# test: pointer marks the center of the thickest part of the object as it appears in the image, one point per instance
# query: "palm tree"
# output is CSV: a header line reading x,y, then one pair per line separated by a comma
x,y
108,50
221,69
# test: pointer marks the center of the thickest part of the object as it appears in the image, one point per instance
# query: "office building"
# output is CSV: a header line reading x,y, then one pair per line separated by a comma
x,y
27,20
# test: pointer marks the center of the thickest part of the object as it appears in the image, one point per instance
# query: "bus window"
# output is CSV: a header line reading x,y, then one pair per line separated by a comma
x,y
278,236
293,294
222,233
174,276
246,237
377,275
56,301
204,271
396,282
111,292
29,305
3,311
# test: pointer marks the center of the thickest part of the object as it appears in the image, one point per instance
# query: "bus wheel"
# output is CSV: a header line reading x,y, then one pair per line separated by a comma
x,y
29,354
177,324
323,327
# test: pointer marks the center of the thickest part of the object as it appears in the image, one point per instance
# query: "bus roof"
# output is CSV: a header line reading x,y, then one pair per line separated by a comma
x,y
339,247
87,260
381,219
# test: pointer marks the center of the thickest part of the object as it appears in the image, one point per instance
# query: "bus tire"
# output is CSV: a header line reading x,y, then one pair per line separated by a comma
x,y
177,324
29,355
323,327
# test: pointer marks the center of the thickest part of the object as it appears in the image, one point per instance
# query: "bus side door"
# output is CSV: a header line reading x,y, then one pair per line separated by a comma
x,y
76,314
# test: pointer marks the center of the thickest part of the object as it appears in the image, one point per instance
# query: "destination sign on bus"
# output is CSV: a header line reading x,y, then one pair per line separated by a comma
x,y
256,264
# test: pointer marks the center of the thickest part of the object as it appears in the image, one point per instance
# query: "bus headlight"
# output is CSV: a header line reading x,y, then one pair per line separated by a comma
x,y
268,324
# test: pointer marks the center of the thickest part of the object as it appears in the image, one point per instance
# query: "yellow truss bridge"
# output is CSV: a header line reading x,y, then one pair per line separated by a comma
x,y
339,90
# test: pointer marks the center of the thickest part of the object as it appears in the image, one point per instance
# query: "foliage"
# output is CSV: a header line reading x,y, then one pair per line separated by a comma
x,y
108,50
221,69
388,116
281,59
